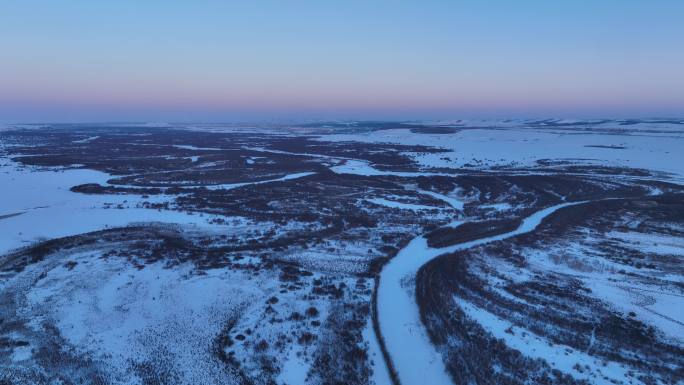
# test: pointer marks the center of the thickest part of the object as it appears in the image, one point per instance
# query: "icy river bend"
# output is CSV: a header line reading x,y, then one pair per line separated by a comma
x,y
413,357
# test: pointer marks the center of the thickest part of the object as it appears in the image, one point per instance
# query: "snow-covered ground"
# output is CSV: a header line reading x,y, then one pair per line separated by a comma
x,y
114,311
414,357
664,306
361,167
122,315
521,146
453,202
230,186
399,205
45,208
562,358
380,373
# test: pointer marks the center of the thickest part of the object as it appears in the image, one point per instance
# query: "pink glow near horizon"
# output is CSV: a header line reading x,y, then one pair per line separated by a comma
x,y
433,59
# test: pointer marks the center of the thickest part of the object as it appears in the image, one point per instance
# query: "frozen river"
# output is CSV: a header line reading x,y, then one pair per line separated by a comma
x,y
413,356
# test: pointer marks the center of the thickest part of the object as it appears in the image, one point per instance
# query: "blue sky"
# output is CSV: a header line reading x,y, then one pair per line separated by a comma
x,y
263,60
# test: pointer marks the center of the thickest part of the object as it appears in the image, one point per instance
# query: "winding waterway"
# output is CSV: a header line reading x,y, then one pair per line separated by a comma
x,y
413,357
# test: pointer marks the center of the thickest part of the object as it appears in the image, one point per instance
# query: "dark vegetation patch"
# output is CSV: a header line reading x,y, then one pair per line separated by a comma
x,y
359,127
469,231
10,215
570,167
470,353
610,147
342,356
630,122
435,130
140,245
94,188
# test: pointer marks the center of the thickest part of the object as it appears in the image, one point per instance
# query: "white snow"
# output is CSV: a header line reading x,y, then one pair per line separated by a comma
x,y
560,357
660,308
399,205
654,304
111,309
415,358
650,243
86,140
49,210
188,147
230,186
525,146
453,202
261,149
362,167
380,374
293,371
497,206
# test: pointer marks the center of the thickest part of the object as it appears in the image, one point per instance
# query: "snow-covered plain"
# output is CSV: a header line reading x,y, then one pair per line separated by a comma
x,y
122,315
40,206
664,305
559,357
116,312
46,209
484,148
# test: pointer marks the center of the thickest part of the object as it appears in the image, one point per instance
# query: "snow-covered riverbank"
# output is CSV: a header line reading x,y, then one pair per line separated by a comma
x,y
414,357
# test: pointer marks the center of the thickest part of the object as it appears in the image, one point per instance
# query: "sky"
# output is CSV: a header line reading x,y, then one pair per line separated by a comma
x,y
125,60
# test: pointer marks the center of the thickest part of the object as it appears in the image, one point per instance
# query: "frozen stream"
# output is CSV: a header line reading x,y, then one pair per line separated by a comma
x,y
415,359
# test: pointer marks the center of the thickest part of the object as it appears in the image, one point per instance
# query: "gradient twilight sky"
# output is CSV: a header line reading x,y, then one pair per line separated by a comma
x,y
199,60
